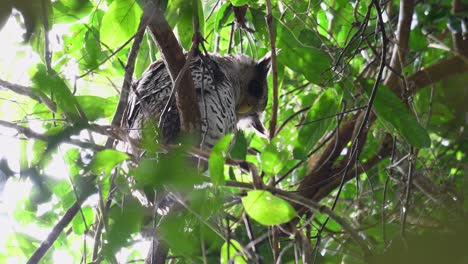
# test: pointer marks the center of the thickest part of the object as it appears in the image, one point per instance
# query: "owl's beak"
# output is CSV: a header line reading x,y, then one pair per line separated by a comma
x,y
244,108
260,128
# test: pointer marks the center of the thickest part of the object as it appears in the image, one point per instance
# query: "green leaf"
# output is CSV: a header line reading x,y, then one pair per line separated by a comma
x,y
218,158
145,56
120,22
239,150
313,129
52,83
312,62
78,225
273,156
239,2
178,231
92,48
106,160
171,169
185,23
66,11
390,108
40,148
267,209
96,107
231,252
222,16
124,221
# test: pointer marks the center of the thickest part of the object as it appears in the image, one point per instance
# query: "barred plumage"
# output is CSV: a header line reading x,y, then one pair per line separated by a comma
x,y
229,89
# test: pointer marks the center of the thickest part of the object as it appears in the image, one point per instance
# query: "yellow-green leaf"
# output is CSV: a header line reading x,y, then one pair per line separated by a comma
x,y
218,158
232,253
267,209
120,22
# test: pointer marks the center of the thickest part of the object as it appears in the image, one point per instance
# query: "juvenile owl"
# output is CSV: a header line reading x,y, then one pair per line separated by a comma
x,y
230,90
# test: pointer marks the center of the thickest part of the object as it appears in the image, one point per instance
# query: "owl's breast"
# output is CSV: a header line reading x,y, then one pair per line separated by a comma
x,y
216,103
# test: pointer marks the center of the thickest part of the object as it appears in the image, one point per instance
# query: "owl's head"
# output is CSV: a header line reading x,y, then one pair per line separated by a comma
x,y
249,82
248,79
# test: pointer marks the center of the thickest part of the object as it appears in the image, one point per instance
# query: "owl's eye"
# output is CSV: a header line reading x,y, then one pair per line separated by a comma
x,y
255,89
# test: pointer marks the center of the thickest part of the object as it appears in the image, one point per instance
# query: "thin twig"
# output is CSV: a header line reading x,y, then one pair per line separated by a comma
x,y
274,69
409,183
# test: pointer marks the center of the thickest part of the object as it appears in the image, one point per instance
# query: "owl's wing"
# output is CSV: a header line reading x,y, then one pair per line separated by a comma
x,y
149,97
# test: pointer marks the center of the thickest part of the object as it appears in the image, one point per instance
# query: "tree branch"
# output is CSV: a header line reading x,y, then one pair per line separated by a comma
x,y
441,70
58,228
401,44
30,92
29,133
460,42
174,59
271,33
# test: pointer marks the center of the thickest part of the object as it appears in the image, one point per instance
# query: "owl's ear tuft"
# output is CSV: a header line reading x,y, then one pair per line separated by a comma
x,y
264,64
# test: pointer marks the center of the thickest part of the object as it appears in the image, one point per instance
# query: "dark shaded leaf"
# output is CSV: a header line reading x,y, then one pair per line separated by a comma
x,y
124,221
172,168
313,128
239,150
66,11
390,108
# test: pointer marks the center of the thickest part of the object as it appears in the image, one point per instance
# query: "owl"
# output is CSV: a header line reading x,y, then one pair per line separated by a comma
x,y
231,92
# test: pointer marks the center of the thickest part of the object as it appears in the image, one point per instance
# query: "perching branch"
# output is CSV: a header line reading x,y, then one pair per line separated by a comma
x,y
173,56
